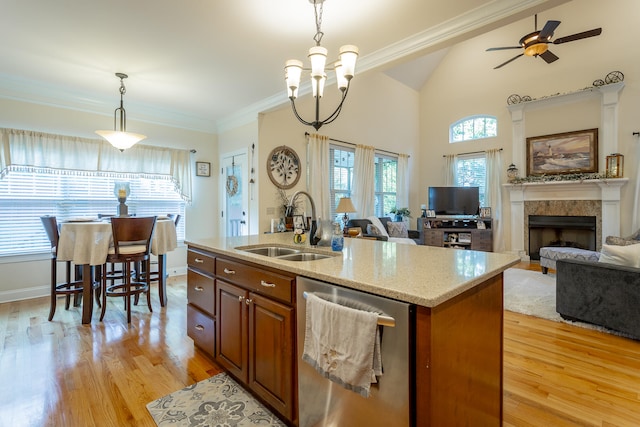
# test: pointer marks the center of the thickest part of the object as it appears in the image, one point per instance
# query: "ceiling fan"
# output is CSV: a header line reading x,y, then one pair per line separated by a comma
x,y
536,43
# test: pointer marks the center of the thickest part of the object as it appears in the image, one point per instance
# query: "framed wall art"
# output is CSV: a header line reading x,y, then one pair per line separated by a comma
x,y
563,153
203,169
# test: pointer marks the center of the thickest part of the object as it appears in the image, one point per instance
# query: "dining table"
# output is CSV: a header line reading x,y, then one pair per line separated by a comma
x,y
86,243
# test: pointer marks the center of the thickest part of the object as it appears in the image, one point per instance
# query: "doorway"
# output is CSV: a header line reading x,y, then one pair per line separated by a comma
x,y
235,194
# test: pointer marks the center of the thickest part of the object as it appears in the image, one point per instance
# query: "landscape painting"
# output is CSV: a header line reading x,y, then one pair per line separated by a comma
x,y
563,153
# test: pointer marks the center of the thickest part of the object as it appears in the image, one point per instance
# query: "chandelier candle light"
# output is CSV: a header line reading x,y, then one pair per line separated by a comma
x,y
121,139
344,68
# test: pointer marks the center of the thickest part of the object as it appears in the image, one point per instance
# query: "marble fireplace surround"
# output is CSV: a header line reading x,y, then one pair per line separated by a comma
x,y
594,197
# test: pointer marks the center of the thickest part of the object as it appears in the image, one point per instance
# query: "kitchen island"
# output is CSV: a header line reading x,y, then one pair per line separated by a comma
x,y
456,325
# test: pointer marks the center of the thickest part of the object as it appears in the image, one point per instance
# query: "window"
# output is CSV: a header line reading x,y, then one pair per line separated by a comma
x,y
471,171
341,176
26,196
473,127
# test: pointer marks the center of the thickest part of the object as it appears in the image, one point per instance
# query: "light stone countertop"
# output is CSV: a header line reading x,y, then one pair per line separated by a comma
x,y
423,275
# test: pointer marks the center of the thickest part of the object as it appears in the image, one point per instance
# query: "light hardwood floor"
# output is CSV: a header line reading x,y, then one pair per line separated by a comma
x,y
61,373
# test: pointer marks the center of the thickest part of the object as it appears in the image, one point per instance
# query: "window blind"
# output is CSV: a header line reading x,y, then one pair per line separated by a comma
x,y
26,196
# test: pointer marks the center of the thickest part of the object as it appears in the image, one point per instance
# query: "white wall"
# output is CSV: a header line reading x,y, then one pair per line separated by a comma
x,y
465,83
378,111
28,276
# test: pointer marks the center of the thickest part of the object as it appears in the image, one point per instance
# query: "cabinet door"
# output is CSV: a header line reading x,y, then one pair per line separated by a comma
x,y
271,352
231,329
434,237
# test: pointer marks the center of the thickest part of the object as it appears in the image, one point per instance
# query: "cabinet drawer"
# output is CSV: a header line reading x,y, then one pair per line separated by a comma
x,y
201,329
200,291
256,279
201,260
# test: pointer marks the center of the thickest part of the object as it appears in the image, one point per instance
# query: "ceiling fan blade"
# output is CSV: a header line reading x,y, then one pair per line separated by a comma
x,y
578,36
505,63
548,56
503,48
548,30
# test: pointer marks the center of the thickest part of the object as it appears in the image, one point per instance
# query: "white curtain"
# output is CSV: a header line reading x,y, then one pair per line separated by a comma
x,y
318,179
493,196
363,188
49,153
402,181
450,161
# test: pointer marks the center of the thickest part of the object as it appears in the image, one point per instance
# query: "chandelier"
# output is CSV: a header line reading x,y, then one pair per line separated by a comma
x,y
344,68
120,138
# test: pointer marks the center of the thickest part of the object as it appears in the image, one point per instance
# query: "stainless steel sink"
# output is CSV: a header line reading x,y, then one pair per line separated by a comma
x,y
304,256
271,251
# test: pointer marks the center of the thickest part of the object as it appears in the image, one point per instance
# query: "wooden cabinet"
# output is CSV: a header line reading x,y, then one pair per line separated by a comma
x,y
201,299
474,234
255,332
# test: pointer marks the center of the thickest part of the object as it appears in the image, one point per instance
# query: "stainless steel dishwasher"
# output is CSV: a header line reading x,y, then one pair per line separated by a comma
x,y
324,403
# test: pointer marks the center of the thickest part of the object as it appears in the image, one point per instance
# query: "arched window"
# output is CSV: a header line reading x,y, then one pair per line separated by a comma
x,y
473,127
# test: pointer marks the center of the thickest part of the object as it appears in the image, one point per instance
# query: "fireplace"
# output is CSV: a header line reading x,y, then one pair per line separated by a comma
x,y
555,230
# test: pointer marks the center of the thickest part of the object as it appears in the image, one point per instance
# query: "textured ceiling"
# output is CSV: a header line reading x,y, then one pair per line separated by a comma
x,y
199,64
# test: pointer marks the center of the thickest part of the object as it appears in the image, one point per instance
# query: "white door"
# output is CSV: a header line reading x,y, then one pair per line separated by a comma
x,y
235,190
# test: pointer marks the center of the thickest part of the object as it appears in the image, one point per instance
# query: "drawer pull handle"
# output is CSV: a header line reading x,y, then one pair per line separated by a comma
x,y
199,260
267,284
227,271
248,301
240,298
199,288
200,327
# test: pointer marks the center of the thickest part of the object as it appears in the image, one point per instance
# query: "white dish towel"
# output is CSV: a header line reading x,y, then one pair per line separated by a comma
x,y
342,344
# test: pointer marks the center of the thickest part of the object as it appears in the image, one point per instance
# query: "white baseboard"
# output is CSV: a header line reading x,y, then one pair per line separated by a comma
x,y
43,291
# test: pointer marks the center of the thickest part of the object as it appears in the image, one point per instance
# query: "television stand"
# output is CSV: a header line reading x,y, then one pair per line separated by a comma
x,y
472,233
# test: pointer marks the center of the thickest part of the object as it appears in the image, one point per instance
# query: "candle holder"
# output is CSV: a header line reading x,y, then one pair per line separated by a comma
x,y
615,165
122,190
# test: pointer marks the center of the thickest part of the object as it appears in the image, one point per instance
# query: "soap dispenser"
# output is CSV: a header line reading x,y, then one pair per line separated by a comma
x,y
337,238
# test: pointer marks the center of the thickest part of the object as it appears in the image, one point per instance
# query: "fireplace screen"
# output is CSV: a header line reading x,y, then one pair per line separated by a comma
x,y
568,231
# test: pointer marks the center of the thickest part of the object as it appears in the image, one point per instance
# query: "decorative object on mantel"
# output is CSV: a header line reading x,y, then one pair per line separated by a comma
x,y
283,167
120,138
536,43
615,165
612,77
345,70
563,153
121,190
512,172
560,178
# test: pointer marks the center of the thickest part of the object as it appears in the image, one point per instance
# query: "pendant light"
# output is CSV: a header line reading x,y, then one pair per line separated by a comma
x,y
120,138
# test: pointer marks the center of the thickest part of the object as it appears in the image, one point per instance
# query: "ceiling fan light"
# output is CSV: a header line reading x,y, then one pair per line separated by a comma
x,y
348,57
535,49
121,140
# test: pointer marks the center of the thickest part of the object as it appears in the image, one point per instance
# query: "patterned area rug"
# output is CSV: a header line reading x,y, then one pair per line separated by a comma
x,y
217,401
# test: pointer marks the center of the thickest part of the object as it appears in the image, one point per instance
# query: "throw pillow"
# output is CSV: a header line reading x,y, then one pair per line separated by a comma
x,y
373,230
621,255
397,229
620,241
376,221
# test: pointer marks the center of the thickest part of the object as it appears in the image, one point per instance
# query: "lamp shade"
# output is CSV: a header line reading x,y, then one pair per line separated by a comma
x,y
345,205
121,140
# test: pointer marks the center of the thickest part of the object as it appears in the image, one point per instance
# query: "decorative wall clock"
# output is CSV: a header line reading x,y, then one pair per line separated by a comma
x,y
283,167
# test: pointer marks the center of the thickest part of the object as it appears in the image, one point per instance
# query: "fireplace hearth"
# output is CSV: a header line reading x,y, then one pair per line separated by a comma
x,y
561,230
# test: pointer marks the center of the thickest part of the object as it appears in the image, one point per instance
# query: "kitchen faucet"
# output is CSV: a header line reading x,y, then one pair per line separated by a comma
x,y
313,240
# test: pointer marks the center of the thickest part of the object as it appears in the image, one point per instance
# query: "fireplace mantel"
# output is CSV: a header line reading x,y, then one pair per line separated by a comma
x,y
606,190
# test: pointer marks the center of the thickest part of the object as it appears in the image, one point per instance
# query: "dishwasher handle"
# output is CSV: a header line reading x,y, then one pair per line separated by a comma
x,y
383,320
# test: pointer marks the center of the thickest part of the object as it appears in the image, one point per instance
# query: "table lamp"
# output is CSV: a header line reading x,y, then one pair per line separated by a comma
x,y
122,190
345,205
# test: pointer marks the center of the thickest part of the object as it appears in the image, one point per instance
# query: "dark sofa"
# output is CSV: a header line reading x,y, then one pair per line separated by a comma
x,y
363,222
599,293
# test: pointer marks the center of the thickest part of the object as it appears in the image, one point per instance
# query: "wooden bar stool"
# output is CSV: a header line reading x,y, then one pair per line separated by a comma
x,y
131,245
68,287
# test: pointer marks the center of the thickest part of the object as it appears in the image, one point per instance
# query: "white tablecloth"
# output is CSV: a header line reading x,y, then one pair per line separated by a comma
x,y
88,242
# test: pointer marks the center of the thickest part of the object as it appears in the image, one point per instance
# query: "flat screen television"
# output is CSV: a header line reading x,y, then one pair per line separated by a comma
x,y
454,200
